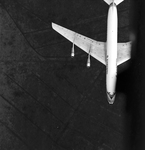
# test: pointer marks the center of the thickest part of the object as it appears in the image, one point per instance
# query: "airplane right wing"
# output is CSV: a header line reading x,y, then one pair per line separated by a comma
x,y
123,52
94,48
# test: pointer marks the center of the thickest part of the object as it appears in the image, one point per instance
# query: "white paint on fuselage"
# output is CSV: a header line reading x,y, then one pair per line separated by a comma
x,y
111,54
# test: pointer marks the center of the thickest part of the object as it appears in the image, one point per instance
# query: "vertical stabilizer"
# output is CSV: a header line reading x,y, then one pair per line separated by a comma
x,y
115,1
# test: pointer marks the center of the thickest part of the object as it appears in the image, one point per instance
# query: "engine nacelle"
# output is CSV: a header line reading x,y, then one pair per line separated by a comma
x,y
88,61
72,52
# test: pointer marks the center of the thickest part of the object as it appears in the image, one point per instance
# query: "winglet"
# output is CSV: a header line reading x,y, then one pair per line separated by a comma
x,y
115,1
54,25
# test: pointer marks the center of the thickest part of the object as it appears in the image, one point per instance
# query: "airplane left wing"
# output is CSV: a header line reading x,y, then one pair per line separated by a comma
x,y
123,52
95,48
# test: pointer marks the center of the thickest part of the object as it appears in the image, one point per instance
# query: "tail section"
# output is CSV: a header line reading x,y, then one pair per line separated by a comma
x,y
115,1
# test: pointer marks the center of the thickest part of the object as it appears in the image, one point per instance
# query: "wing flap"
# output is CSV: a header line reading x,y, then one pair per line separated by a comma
x,y
95,48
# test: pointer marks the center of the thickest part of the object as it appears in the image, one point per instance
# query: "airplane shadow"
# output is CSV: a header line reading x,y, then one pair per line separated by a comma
x,y
131,82
126,86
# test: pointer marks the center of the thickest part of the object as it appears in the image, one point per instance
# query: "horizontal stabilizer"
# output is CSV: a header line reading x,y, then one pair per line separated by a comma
x,y
115,1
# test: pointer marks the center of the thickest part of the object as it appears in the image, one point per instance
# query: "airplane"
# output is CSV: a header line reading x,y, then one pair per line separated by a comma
x,y
110,53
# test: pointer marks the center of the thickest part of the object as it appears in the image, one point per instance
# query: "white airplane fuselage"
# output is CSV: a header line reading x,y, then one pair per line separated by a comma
x,y
111,52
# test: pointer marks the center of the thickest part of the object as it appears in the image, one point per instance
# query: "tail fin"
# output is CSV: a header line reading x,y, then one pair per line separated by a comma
x,y
115,1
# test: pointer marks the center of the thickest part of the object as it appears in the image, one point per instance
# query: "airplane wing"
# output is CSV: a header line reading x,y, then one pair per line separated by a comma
x,y
123,52
95,48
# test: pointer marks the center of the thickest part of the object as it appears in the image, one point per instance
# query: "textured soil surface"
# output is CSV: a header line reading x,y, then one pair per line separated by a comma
x,y
49,101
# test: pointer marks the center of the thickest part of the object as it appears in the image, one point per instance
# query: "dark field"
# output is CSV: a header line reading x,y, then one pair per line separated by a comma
x,y
49,101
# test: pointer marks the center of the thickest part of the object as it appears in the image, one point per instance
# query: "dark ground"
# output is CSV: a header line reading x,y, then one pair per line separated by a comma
x,y
49,101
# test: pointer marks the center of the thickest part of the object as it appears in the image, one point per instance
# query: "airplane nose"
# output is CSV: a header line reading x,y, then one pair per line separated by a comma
x,y
111,97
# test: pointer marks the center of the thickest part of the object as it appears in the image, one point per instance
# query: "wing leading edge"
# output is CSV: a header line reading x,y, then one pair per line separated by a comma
x,y
95,48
